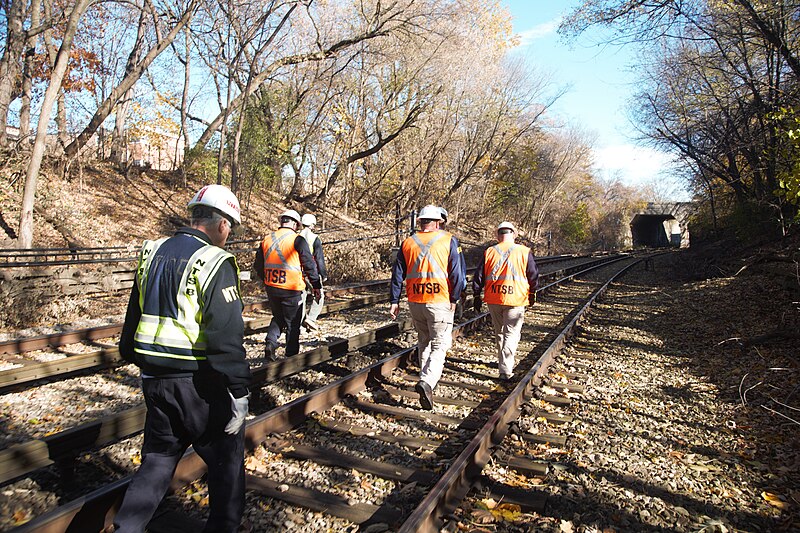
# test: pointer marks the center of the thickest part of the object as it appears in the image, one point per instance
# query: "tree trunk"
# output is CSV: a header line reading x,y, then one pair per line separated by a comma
x,y
118,144
10,67
50,95
185,102
52,53
27,73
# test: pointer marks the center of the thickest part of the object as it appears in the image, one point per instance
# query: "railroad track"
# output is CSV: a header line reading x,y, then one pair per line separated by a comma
x,y
101,341
294,413
29,372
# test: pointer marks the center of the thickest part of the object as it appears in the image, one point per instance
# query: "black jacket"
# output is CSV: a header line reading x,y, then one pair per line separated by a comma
x,y
222,315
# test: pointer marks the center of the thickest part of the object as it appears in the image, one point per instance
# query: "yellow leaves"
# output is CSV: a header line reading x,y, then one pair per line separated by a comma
x,y
776,500
488,511
136,458
198,494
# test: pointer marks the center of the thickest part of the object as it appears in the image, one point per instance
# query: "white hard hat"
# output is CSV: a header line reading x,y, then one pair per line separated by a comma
x,y
444,213
309,220
220,198
507,225
430,212
290,213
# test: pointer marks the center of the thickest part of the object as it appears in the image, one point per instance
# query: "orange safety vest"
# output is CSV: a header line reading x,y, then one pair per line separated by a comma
x,y
504,271
427,255
281,261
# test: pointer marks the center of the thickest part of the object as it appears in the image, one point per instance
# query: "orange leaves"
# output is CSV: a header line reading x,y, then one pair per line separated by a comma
x,y
198,494
20,517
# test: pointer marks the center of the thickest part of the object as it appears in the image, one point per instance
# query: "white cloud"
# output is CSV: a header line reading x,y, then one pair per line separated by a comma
x,y
633,164
637,166
538,32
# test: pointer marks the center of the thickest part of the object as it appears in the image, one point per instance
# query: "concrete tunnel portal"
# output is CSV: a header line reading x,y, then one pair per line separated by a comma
x,y
661,225
655,231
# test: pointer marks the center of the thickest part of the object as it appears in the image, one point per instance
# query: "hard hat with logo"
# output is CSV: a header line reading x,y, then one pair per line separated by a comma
x,y
507,225
309,220
444,213
290,213
220,198
430,212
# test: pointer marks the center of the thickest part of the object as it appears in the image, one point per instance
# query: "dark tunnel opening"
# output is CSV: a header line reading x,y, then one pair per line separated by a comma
x,y
655,231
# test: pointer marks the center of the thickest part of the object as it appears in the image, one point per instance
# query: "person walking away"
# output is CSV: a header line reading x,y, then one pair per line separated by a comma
x,y
312,310
508,277
429,263
184,330
459,312
282,261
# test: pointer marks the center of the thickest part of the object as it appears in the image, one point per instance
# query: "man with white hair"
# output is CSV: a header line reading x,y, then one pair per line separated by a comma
x,y
429,262
508,276
312,310
184,330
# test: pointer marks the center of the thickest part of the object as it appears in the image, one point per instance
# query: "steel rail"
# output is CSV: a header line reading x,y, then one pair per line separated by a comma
x,y
464,472
21,459
95,511
54,340
108,357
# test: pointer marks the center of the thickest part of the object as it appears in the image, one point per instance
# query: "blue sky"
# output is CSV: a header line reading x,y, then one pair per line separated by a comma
x,y
599,82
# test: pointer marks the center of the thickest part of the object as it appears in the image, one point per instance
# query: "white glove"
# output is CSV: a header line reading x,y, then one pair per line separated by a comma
x,y
238,413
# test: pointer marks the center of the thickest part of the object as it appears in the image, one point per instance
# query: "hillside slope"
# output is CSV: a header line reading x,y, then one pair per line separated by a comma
x,y
104,207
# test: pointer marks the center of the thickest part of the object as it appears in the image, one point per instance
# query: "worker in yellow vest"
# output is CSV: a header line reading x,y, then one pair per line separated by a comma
x,y
282,261
429,262
508,277
184,330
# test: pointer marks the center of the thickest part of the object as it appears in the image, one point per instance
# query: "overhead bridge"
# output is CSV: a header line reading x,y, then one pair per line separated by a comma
x,y
661,225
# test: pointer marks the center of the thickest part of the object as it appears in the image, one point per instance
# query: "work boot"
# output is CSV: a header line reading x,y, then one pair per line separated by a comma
x,y
269,352
425,395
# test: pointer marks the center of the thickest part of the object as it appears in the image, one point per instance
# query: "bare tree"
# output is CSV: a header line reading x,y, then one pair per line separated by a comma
x,y
135,72
26,212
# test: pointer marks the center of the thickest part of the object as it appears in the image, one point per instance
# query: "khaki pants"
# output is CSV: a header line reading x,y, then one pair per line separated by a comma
x,y
507,322
312,310
434,325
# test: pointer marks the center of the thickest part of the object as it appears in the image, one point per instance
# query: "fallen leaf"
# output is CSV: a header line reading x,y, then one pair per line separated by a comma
x,y
20,517
482,516
507,512
775,500
487,503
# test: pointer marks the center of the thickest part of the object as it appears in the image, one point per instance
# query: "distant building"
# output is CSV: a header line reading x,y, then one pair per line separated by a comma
x,y
153,149
157,150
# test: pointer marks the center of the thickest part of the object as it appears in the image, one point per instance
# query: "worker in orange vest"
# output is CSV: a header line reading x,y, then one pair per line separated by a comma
x,y
429,262
281,262
508,277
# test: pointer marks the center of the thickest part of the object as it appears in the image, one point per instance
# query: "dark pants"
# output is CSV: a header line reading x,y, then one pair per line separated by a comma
x,y
183,411
287,315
